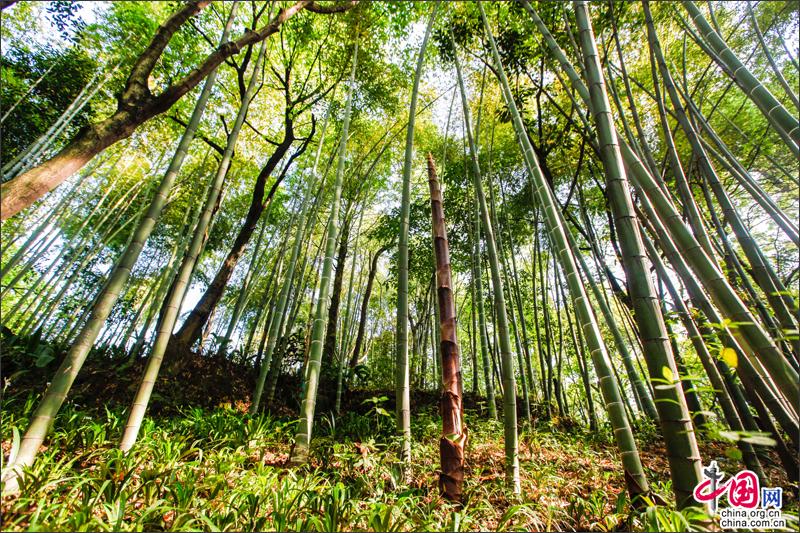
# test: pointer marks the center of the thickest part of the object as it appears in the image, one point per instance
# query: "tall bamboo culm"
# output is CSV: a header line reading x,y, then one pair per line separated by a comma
x,y
635,479
402,375
673,413
299,453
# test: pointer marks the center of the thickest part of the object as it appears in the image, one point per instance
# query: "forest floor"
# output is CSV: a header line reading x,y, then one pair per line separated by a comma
x,y
203,463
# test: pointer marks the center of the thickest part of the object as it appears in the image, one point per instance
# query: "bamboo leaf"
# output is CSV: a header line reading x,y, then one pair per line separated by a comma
x,y
760,440
729,435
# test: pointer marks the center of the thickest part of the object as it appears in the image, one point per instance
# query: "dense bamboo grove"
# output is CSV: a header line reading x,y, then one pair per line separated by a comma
x,y
548,234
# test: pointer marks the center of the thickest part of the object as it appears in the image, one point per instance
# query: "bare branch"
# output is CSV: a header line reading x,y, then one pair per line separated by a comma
x,y
208,141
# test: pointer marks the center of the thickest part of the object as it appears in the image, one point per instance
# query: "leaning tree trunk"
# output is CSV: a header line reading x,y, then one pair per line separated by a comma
x,y
454,433
299,453
673,413
783,122
275,330
65,375
362,320
137,104
253,270
329,354
634,473
192,327
402,375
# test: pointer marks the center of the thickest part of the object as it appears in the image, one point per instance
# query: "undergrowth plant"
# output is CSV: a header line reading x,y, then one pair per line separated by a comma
x,y
223,470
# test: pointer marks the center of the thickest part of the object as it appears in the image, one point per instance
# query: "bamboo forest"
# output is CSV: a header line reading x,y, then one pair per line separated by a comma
x,y
384,265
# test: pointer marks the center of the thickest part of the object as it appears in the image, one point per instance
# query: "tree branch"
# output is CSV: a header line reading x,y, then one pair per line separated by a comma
x,y
208,141
136,87
338,7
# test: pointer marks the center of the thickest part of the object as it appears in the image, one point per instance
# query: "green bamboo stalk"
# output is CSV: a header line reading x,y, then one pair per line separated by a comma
x,y
749,456
402,376
275,331
33,238
68,371
38,251
299,290
784,123
505,271
299,454
169,272
81,251
477,280
676,423
501,327
730,335
634,474
172,304
640,390
536,253
762,271
685,191
750,333
775,68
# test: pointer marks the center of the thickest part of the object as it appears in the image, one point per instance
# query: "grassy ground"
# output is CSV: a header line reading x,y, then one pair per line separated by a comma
x,y
213,467
221,469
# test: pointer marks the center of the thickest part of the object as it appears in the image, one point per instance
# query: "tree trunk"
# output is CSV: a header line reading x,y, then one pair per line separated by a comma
x,y
329,354
192,328
362,321
136,104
